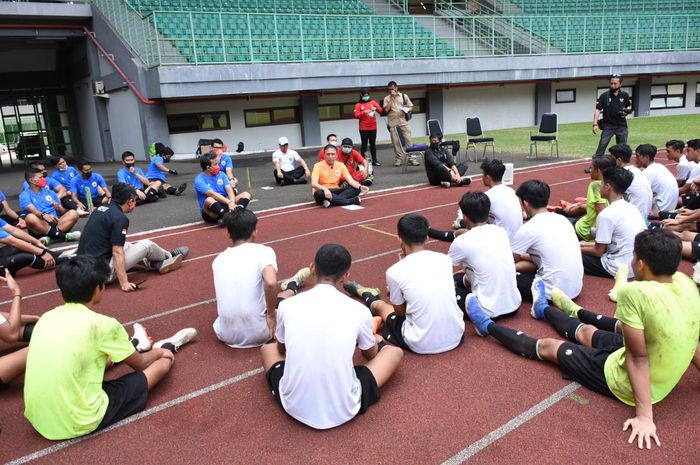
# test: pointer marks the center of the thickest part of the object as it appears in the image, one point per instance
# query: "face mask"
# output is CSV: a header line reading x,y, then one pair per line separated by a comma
x,y
215,170
365,98
435,145
41,182
129,165
334,143
347,149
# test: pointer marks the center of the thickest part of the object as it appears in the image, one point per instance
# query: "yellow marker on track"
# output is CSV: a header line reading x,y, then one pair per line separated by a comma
x,y
369,227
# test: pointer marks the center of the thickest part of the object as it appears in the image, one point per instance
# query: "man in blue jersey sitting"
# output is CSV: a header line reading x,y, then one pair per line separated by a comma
x,y
134,176
215,194
158,172
89,180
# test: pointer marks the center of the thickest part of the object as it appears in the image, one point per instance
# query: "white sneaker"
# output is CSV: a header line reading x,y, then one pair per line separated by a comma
x,y
696,273
141,335
73,236
445,184
178,340
82,213
326,204
457,224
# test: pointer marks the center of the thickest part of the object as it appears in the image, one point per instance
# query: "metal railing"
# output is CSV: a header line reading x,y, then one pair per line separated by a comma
x,y
262,6
534,7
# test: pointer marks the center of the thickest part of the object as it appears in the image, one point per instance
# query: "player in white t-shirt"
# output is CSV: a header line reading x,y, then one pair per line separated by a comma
x,y
639,193
423,315
290,168
310,368
663,183
674,152
505,207
14,328
483,254
616,228
546,247
245,281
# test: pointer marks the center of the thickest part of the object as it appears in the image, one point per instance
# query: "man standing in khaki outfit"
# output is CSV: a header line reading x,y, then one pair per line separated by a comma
x,y
396,106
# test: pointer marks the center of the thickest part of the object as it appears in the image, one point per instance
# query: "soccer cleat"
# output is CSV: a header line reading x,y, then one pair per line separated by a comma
x,y
465,181
73,236
326,204
140,334
564,303
413,162
181,188
171,264
376,163
445,184
355,289
539,298
477,315
179,339
182,250
620,280
299,278
696,273
46,240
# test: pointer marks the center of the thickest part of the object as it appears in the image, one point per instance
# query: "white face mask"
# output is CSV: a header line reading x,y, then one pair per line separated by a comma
x,y
334,143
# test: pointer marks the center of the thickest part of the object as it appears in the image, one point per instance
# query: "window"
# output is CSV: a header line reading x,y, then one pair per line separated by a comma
x,y
697,94
271,116
667,96
565,96
194,122
336,111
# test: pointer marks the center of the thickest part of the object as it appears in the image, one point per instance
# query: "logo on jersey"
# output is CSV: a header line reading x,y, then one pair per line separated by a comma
x,y
94,183
102,209
220,182
48,198
337,172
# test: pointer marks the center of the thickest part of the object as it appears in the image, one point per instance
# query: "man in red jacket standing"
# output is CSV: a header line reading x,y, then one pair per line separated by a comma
x,y
366,110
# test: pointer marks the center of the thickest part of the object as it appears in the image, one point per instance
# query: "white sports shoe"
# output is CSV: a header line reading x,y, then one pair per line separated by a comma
x,y
696,273
141,335
457,224
179,339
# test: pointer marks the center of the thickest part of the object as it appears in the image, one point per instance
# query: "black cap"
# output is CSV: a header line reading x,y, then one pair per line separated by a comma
x,y
347,141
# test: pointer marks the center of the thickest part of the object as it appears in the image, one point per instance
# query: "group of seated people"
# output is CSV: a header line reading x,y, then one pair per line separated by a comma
x,y
510,246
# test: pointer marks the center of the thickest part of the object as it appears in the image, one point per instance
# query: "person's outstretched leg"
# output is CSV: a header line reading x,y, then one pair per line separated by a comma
x,y
385,364
270,355
12,365
571,308
446,236
370,295
157,370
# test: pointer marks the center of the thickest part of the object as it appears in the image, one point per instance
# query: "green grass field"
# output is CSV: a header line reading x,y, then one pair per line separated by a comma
x,y
577,140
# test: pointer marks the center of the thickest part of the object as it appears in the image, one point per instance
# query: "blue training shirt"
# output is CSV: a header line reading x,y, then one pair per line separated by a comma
x,y
204,184
154,172
65,177
127,177
2,196
3,233
42,200
78,185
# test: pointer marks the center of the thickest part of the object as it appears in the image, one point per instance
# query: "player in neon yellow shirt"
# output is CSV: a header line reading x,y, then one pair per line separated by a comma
x,y
637,357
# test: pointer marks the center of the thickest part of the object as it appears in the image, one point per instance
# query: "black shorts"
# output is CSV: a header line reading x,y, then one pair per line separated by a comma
x,y
594,266
368,385
586,365
695,249
154,180
127,396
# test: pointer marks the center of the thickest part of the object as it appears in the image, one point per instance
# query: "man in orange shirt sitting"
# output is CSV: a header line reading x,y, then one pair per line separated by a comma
x,y
327,177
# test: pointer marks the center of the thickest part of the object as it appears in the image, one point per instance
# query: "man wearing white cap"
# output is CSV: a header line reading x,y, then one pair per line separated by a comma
x,y
290,168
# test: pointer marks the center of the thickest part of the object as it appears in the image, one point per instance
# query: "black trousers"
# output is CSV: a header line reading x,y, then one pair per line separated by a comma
x,y
620,133
344,196
369,136
441,175
289,177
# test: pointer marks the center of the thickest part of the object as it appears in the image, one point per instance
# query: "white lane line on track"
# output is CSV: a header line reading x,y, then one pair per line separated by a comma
x,y
146,413
510,426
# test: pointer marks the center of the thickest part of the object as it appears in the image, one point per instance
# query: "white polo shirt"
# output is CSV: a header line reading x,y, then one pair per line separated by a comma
x,y
553,245
288,161
240,294
683,168
320,329
484,254
423,280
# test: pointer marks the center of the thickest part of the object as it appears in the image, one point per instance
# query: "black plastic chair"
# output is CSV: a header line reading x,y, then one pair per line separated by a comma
x,y
434,128
476,136
549,132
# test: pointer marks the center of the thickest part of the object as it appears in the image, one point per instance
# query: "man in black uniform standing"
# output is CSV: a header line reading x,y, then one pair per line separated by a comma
x,y
104,236
440,166
615,105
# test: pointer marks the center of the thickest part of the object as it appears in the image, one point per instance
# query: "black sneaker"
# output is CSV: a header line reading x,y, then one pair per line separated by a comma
x,y
466,181
161,193
181,188
376,163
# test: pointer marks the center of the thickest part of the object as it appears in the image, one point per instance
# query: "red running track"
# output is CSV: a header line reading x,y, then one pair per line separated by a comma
x,y
477,403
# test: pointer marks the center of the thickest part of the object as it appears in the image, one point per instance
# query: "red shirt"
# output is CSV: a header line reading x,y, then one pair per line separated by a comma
x,y
367,122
